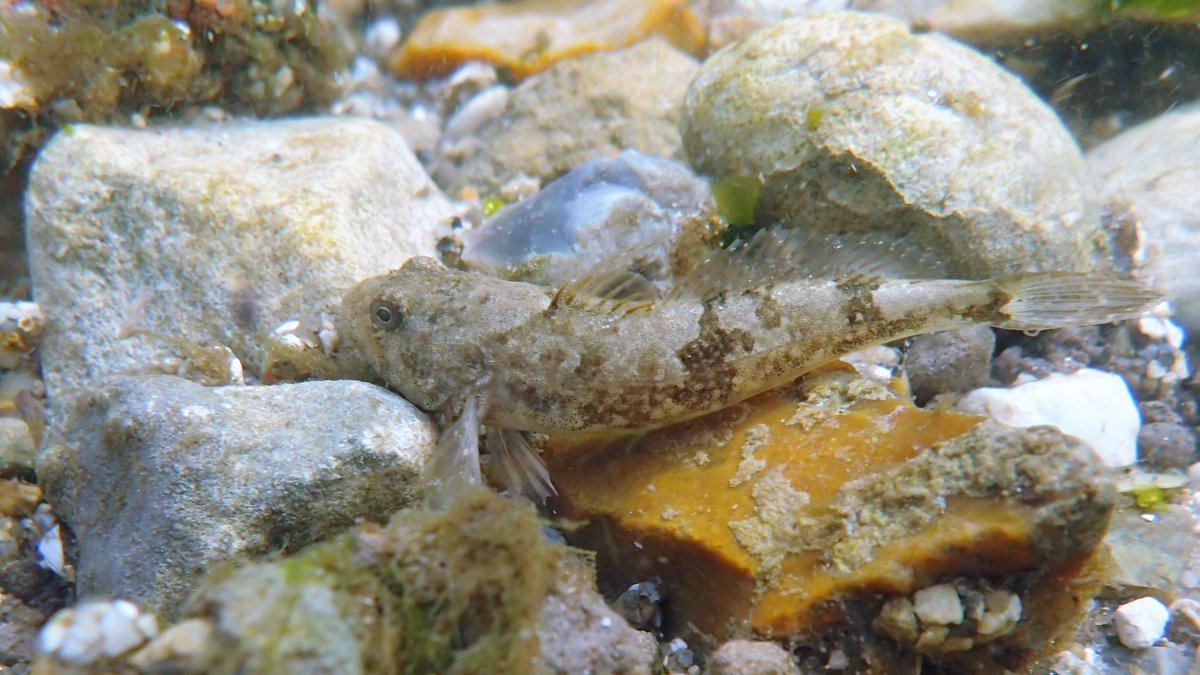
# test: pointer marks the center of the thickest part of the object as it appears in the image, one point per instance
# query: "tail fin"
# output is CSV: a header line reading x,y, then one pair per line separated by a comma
x,y
1044,300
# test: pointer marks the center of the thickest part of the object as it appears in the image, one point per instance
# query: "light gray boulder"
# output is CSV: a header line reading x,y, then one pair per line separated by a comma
x,y
159,478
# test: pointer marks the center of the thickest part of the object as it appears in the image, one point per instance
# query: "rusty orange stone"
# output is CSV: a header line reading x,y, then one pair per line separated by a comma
x,y
706,507
526,37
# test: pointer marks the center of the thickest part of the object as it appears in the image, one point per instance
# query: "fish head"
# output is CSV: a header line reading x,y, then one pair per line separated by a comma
x,y
432,333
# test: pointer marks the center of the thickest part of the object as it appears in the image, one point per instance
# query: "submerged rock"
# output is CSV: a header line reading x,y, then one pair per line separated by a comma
x,y
747,657
211,235
475,589
851,122
601,208
591,106
1150,176
950,361
160,478
527,36
782,519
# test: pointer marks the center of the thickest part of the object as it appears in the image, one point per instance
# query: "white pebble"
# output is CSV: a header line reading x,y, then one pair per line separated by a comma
x,y
1092,405
95,630
1161,328
938,605
1141,623
50,548
381,38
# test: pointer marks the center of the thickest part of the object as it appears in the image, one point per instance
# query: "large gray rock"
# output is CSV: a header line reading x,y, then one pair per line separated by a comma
x,y
1151,173
852,122
159,478
580,108
212,234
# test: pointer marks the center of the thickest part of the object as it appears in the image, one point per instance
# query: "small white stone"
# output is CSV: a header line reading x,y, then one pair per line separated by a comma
x,y
50,548
1161,328
1141,622
1091,405
95,630
938,605
1002,611
381,38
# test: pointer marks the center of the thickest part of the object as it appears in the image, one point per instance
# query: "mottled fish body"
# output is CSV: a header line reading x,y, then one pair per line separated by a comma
x,y
610,356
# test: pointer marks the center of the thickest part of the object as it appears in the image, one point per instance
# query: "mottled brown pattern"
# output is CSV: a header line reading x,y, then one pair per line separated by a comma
x,y
860,307
767,311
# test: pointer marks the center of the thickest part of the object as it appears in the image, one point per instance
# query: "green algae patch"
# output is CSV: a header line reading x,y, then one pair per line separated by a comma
x,y
450,592
737,198
102,61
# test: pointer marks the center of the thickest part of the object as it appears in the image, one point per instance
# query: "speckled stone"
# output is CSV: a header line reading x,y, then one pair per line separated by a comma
x,y
160,478
211,234
853,122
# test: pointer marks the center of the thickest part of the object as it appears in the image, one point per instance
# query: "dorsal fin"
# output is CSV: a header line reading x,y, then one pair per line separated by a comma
x,y
777,254
614,283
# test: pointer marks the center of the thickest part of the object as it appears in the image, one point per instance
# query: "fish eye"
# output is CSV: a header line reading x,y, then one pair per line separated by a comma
x,y
386,314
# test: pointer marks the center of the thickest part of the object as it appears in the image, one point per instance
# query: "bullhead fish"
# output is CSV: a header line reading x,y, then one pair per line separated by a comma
x,y
611,353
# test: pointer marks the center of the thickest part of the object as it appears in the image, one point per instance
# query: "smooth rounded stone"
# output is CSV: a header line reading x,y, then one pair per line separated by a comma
x,y
748,657
604,207
1141,622
1152,173
1090,404
938,604
990,21
730,20
950,361
580,108
16,444
213,234
852,123
1167,445
1150,555
160,478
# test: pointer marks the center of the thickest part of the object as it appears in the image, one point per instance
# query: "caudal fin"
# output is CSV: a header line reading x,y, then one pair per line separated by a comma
x,y
1045,300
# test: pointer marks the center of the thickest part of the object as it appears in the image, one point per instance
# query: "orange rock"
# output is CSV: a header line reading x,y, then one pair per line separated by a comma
x,y
769,518
527,36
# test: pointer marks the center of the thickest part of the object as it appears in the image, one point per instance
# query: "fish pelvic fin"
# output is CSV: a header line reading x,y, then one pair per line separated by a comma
x,y
521,469
453,470
1045,300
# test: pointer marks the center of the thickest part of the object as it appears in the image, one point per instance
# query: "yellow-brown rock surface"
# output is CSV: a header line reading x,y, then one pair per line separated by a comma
x,y
525,37
772,517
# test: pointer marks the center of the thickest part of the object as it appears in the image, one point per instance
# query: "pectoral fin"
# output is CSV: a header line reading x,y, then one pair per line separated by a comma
x,y
453,470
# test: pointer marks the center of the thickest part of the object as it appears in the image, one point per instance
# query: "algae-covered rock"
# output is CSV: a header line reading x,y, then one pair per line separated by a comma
x,y
160,478
100,61
144,243
790,520
591,106
852,122
1151,174
476,589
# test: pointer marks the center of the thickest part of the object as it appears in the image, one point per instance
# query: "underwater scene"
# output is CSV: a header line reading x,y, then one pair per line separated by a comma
x,y
723,337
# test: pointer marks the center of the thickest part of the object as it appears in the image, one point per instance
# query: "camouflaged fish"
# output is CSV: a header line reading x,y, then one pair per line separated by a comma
x,y
610,353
